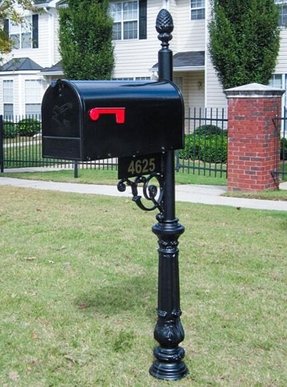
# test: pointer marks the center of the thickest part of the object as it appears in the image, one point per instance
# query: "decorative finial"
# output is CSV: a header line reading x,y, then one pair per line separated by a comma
x,y
164,26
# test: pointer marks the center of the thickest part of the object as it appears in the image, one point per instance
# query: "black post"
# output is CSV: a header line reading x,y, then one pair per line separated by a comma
x,y
168,364
1,144
76,169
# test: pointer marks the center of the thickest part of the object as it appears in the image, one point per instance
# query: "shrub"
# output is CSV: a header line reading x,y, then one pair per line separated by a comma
x,y
211,148
10,130
214,149
205,130
28,127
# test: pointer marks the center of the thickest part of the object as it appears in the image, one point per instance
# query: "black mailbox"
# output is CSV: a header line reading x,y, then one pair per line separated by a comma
x,y
89,120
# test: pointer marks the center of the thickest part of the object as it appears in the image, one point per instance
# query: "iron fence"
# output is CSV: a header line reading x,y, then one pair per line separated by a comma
x,y
282,159
21,147
205,149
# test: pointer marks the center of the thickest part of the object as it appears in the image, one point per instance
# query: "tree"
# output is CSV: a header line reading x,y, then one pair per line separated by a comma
x,y
11,9
86,39
244,41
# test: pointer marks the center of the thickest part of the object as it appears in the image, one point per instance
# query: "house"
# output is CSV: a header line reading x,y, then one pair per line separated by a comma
x,y
34,62
22,82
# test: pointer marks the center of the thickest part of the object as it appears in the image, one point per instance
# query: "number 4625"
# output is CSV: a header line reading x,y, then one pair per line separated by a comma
x,y
142,166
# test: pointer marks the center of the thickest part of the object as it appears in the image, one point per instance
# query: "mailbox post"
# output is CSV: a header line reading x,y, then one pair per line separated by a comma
x,y
141,123
168,331
168,363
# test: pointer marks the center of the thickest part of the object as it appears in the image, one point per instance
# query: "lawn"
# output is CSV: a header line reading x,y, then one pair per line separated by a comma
x,y
79,288
108,176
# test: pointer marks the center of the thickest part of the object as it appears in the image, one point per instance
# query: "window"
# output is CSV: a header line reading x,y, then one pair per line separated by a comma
x,y
197,9
8,110
129,19
276,81
24,34
132,79
142,78
282,5
33,96
33,109
8,98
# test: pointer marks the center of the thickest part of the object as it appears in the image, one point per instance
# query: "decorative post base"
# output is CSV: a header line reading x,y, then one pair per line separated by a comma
x,y
168,331
169,364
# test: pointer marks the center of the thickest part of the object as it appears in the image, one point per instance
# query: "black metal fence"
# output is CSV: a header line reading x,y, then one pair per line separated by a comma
x,y
205,151
21,147
282,167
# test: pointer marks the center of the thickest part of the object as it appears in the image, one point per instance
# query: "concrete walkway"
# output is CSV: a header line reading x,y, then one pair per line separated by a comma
x,y
204,194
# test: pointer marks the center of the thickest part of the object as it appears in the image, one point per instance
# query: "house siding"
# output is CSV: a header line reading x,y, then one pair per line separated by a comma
x,y
135,58
214,95
281,66
192,87
46,54
189,35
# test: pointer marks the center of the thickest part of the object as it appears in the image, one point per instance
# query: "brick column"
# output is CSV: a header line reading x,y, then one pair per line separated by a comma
x,y
253,137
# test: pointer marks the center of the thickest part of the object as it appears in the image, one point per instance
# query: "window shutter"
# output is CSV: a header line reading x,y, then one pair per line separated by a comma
x,y
142,19
6,26
35,37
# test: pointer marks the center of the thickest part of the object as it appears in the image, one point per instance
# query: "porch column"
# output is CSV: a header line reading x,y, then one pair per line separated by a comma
x,y
254,123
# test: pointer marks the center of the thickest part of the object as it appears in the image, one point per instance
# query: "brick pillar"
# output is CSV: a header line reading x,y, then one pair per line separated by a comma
x,y
253,137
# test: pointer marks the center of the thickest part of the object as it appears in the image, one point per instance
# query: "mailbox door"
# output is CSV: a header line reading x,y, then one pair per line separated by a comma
x,y
62,122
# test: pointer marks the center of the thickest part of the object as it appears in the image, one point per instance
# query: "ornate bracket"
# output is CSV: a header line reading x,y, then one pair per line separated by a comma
x,y
151,192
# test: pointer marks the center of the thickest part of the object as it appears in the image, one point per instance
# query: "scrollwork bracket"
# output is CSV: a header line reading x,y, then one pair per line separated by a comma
x,y
150,192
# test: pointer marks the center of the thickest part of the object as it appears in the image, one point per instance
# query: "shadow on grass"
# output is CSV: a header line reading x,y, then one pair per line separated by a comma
x,y
135,295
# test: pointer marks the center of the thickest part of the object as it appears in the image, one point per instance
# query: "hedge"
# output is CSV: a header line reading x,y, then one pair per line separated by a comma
x,y
210,148
10,129
28,127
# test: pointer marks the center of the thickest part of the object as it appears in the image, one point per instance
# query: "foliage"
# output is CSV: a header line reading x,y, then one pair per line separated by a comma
x,y
13,10
10,129
209,148
86,40
244,41
208,129
28,127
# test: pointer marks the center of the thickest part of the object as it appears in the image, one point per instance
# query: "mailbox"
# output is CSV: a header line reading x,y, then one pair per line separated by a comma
x,y
90,120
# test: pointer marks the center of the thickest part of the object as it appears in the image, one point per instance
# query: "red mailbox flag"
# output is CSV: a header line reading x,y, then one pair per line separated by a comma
x,y
119,112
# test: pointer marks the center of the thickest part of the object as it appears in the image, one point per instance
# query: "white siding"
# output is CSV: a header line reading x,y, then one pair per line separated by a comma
x,y
44,55
189,35
192,88
135,57
281,67
55,37
214,95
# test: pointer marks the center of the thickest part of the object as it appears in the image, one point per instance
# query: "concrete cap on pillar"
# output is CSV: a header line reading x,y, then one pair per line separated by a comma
x,y
253,90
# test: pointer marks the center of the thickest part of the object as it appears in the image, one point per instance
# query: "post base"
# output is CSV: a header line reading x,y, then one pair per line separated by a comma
x,y
168,365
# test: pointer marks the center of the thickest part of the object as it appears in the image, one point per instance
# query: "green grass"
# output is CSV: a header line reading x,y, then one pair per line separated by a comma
x,y
79,286
264,195
107,176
